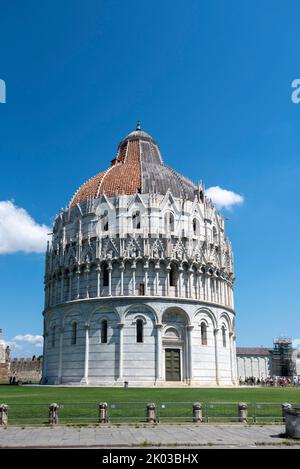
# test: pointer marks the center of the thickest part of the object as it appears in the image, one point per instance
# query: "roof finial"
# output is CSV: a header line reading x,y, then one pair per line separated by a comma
x,y
138,125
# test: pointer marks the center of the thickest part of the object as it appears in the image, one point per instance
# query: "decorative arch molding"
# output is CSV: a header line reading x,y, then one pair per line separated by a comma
x,y
225,319
177,310
167,327
141,317
53,317
103,309
138,309
72,315
205,312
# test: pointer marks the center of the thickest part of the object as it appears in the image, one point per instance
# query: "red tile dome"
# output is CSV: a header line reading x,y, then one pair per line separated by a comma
x,y
138,167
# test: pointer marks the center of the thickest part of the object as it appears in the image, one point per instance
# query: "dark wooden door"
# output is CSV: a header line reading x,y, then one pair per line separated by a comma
x,y
172,364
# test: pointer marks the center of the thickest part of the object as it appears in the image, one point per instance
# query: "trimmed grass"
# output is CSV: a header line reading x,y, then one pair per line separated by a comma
x,y
29,404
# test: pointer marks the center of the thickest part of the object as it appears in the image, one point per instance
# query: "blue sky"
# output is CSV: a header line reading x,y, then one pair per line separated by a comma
x,y
210,81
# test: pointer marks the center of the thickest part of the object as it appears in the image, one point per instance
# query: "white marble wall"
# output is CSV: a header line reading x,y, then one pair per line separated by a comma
x,y
166,325
256,366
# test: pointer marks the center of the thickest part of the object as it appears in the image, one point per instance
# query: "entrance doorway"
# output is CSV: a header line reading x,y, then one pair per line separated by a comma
x,y
172,364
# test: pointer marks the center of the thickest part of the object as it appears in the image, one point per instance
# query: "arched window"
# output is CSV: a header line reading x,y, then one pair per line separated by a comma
x,y
172,277
74,333
104,221
105,276
203,333
136,220
224,335
53,336
195,227
169,222
104,331
139,331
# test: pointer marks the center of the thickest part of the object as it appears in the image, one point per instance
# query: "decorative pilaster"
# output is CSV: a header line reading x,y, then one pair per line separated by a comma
x,y
60,357
158,351
109,268
98,276
190,352
146,267
168,269
87,272
85,378
190,272
70,276
232,360
121,329
180,280
122,268
216,355
62,287
157,267
78,282
133,269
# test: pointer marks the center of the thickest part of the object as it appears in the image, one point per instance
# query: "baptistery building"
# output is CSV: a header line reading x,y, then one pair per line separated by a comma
x,y
139,280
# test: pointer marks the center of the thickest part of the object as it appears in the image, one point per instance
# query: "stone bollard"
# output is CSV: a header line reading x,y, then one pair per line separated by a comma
x,y
53,413
197,412
3,414
284,407
242,411
151,414
103,412
292,423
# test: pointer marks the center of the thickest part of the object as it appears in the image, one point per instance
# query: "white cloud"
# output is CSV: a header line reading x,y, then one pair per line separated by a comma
x,y
19,231
223,198
36,340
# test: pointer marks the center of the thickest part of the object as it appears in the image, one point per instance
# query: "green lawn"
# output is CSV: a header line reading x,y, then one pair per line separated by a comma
x,y
29,404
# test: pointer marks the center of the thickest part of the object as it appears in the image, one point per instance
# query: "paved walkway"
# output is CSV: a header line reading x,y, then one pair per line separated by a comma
x,y
144,436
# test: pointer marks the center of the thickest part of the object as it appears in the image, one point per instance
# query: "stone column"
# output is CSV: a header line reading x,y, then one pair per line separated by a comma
x,y
62,287
168,269
190,352
122,268
232,298
70,286
60,357
87,272
44,370
266,368
180,281
78,281
190,271
85,378
216,355
133,267
157,267
231,357
198,285
251,361
98,274
208,289
146,266
121,328
159,327
109,268
245,368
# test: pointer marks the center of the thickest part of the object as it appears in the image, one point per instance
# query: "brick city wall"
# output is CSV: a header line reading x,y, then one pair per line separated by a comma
x,y
4,371
26,369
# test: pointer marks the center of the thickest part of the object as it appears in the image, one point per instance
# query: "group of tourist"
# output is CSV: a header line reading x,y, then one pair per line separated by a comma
x,y
270,381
